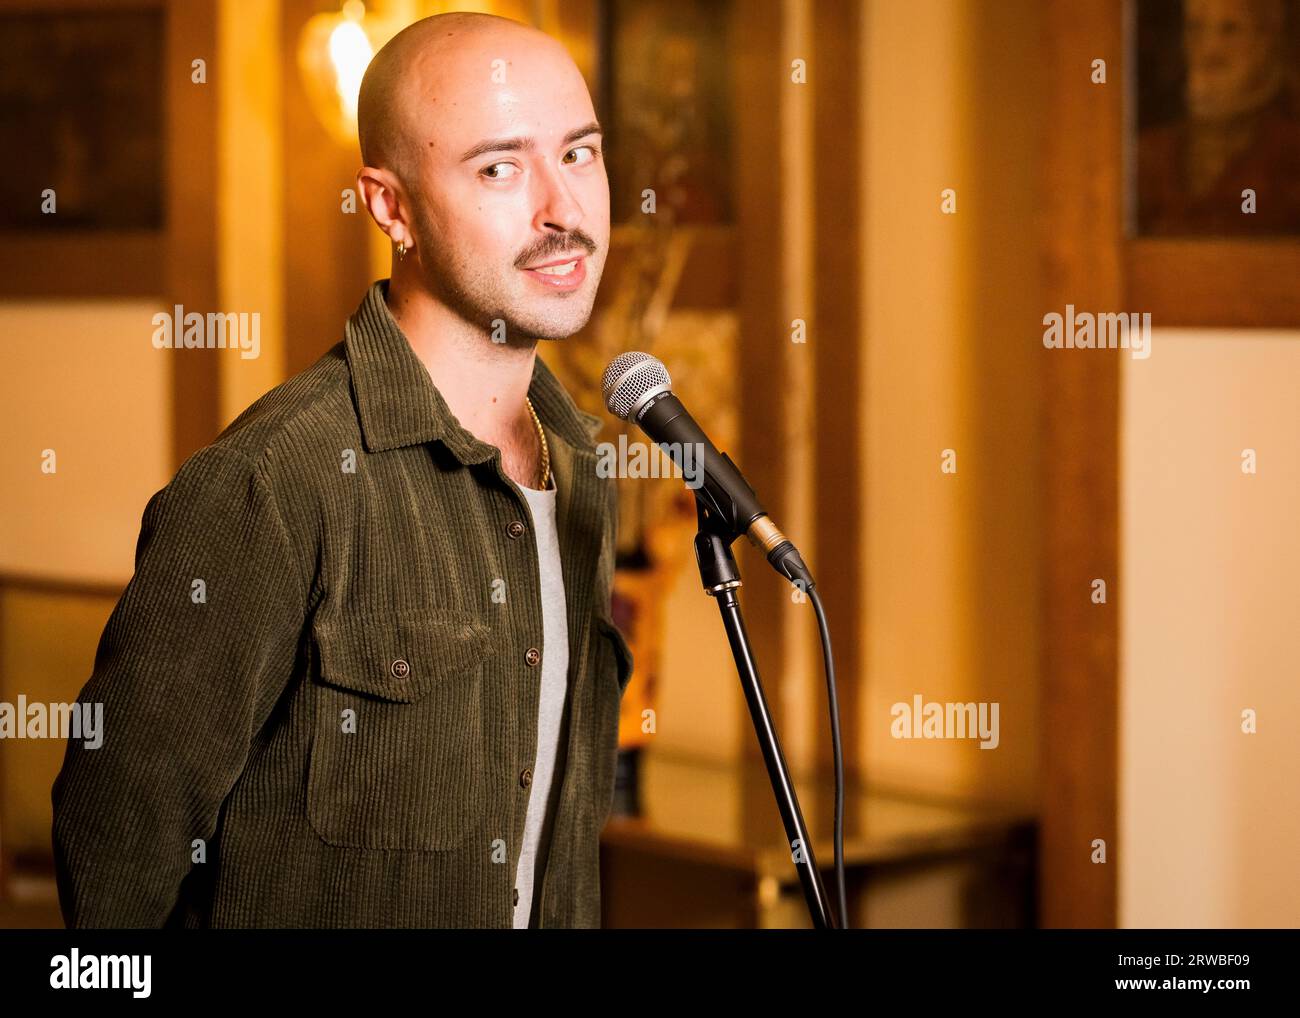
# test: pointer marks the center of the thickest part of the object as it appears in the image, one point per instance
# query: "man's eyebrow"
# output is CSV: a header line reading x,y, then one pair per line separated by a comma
x,y
526,144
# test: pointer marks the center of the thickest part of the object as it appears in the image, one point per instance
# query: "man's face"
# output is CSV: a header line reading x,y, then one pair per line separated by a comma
x,y
511,204
1231,56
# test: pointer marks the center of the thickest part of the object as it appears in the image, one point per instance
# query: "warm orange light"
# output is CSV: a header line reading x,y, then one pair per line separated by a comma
x,y
333,54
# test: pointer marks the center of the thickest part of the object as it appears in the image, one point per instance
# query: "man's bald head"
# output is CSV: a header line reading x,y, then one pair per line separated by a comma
x,y
483,159
404,71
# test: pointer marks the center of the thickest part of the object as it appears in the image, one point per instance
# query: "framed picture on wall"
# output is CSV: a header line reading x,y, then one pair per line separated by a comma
x,y
82,96
84,112
1211,159
667,108
1218,118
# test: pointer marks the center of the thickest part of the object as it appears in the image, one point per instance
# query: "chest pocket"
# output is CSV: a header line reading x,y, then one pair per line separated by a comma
x,y
397,757
612,670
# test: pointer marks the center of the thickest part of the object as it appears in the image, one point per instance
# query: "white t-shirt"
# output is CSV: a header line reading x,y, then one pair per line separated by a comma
x,y
550,709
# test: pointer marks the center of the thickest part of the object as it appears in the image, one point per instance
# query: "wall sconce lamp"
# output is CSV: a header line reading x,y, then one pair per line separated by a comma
x,y
334,51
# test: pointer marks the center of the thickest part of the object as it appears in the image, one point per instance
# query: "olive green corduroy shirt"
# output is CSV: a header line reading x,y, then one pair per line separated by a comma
x,y
320,687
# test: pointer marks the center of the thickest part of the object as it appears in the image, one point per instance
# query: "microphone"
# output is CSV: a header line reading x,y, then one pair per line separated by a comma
x,y
637,388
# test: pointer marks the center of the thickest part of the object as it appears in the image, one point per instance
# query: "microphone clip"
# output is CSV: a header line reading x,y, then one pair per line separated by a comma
x,y
713,542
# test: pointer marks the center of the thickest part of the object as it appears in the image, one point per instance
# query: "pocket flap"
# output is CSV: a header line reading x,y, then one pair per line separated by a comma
x,y
400,656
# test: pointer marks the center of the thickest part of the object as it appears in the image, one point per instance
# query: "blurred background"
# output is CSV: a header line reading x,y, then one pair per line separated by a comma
x,y
864,211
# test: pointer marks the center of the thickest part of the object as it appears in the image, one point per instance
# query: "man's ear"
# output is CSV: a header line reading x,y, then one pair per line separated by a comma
x,y
382,194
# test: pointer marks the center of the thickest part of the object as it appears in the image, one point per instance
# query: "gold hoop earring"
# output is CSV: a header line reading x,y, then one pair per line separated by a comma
x,y
401,250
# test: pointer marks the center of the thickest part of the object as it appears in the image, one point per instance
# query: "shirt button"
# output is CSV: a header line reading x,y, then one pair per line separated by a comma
x,y
515,530
400,669
533,656
526,777
516,896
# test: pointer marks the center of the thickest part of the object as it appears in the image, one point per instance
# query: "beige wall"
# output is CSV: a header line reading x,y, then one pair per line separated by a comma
x,y
250,244
83,379
1209,830
952,327
952,333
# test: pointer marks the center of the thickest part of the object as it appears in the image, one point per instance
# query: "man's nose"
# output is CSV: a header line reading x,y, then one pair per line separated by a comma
x,y
556,207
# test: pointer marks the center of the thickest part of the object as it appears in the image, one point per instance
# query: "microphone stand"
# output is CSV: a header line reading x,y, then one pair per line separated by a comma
x,y
721,578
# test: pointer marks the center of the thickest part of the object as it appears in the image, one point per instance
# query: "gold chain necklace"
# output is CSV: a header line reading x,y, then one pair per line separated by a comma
x,y
546,452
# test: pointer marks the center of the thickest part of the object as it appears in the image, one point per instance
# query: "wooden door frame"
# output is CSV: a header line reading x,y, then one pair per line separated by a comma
x,y
1083,249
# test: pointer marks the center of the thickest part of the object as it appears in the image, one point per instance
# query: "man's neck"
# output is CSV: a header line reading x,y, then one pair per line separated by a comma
x,y
483,383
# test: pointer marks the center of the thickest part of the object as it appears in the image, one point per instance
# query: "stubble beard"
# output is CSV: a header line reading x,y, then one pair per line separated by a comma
x,y
484,300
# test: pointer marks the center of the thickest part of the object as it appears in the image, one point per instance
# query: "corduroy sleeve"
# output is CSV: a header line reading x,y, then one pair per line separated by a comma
x,y
190,664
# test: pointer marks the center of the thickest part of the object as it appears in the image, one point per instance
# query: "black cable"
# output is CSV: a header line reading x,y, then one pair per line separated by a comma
x,y
838,753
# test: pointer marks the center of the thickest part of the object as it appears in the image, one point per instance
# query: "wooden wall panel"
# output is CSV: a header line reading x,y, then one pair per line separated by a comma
x,y
758,77
838,347
192,214
1083,244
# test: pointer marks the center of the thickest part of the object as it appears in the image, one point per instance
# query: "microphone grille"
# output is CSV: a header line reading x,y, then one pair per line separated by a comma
x,y
628,378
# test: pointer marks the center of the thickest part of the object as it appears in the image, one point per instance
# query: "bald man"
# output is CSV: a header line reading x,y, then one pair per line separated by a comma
x,y
365,673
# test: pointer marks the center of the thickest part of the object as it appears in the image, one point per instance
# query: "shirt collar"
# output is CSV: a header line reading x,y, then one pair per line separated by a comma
x,y
399,405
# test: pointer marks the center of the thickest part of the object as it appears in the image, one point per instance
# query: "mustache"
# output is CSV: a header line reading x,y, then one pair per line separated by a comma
x,y
554,245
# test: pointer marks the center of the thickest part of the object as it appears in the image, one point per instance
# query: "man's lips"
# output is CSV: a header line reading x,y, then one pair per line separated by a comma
x,y
559,261
554,280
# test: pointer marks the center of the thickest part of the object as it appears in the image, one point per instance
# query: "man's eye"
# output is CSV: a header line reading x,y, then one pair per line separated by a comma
x,y
590,155
500,171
